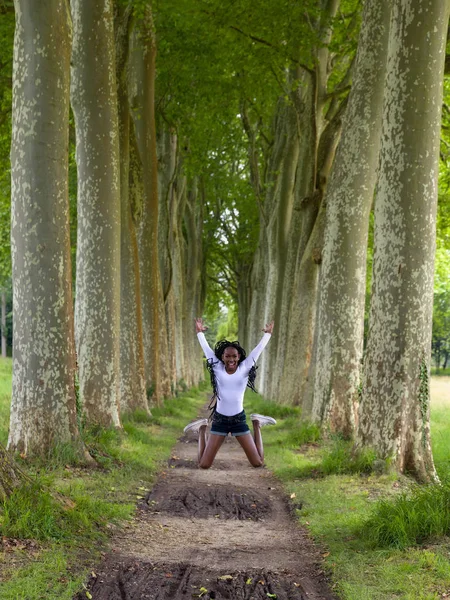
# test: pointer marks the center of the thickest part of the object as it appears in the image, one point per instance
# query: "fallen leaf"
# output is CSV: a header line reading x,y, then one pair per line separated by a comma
x,y
293,495
88,595
249,580
271,595
202,591
262,582
225,577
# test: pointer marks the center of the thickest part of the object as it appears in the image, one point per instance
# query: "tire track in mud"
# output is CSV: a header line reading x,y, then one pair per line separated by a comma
x,y
222,533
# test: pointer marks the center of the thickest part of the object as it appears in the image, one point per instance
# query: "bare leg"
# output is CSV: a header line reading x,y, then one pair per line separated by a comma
x,y
253,447
258,438
207,449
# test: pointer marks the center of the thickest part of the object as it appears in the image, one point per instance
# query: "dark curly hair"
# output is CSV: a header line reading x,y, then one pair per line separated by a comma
x,y
219,349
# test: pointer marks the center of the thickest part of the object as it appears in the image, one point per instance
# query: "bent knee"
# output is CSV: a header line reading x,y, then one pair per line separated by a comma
x,y
257,463
204,464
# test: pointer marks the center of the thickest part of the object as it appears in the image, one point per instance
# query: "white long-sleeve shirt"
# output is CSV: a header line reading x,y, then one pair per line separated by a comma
x,y
231,386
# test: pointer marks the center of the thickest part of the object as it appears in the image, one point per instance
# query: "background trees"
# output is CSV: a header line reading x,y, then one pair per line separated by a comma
x,y
205,149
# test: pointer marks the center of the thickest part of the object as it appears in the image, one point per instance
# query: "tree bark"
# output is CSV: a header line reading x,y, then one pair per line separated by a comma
x,y
43,409
97,306
349,199
142,102
132,374
394,409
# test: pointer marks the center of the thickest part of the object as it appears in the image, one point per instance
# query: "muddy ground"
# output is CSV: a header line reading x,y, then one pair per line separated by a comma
x,y
224,533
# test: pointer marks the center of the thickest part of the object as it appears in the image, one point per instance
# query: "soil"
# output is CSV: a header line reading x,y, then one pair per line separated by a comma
x,y
225,533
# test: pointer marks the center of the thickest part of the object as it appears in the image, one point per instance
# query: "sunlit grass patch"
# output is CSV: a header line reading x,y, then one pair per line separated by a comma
x,y
53,574
412,518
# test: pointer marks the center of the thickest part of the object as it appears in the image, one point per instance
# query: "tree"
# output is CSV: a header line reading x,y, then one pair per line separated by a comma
x,y
340,321
394,408
43,411
97,303
132,371
142,103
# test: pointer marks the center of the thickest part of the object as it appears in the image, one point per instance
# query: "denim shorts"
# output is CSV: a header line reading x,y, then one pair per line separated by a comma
x,y
223,425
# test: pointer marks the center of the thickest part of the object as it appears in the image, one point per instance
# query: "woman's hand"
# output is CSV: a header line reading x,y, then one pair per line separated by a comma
x,y
200,326
268,328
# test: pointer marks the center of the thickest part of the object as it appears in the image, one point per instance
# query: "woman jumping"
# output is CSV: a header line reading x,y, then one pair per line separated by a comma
x,y
231,371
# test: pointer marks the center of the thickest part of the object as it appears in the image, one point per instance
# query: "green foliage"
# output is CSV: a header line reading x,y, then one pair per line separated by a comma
x,y
412,518
6,53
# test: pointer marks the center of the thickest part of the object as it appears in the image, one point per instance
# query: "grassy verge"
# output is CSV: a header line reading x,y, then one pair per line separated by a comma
x,y
67,540
339,500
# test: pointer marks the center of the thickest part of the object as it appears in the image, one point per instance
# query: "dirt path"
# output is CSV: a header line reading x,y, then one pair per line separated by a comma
x,y
224,533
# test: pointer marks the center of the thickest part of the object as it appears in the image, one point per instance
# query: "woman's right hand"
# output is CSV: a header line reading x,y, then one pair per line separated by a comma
x,y
200,326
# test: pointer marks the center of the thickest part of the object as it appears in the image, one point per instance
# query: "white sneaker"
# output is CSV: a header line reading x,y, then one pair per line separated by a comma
x,y
195,426
263,420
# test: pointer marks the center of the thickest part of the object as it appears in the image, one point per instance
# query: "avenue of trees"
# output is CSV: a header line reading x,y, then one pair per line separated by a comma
x,y
172,158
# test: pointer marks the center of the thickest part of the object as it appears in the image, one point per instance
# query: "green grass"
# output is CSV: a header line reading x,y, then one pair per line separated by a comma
x,y
70,538
382,537
440,372
352,511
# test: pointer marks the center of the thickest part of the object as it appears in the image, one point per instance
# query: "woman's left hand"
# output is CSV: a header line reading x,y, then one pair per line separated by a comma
x,y
268,328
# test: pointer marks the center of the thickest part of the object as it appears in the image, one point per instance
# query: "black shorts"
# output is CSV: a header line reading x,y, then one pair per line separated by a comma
x,y
223,425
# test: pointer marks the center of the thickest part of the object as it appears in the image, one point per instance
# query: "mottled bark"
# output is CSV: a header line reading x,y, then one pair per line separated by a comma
x,y
97,304
170,188
349,199
142,102
194,296
132,376
43,411
394,409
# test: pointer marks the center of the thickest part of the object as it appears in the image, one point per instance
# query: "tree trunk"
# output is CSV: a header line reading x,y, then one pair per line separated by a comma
x,y
349,199
97,307
132,375
142,102
43,410
394,409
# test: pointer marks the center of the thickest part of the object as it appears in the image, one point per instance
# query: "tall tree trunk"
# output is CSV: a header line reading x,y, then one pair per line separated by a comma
x,y
394,409
349,198
43,410
170,188
132,374
97,305
142,102
194,297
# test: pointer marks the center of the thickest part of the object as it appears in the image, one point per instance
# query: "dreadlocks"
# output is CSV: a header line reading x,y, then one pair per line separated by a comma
x,y
219,349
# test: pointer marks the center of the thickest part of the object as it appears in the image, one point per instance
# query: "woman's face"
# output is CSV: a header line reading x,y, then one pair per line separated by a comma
x,y
230,358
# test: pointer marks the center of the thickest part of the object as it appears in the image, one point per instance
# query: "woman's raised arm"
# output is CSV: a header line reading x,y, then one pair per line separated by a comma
x,y
200,328
254,354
